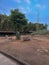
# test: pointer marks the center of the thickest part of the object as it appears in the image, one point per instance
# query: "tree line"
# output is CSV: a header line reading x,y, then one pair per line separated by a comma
x,y
17,21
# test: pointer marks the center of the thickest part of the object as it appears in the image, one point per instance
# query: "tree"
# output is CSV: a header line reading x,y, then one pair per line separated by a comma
x,y
46,26
18,19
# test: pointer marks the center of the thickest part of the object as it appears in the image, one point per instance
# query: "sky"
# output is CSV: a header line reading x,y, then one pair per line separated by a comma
x,y
33,9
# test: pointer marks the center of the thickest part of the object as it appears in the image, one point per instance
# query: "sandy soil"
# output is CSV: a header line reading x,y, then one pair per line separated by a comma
x,y
35,51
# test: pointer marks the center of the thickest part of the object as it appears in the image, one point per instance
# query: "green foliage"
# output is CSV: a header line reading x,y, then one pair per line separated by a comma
x,y
41,32
17,21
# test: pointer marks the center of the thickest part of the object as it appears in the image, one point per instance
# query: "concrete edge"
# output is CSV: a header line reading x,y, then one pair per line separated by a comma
x,y
21,62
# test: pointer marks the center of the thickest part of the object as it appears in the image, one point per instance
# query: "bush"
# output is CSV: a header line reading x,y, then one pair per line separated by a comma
x,y
41,32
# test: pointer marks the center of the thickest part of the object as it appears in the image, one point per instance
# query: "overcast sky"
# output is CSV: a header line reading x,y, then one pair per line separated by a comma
x,y
29,7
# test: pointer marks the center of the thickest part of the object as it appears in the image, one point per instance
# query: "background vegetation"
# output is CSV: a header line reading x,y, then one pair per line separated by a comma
x,y
17,21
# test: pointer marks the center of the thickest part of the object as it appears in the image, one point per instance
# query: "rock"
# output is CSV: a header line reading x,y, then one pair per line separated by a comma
x,y
26,38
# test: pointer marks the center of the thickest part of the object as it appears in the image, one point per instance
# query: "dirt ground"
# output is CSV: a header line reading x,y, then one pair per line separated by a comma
x,y
34,52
